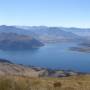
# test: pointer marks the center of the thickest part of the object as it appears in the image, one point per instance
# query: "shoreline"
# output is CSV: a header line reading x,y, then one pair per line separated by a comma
x,y
7,67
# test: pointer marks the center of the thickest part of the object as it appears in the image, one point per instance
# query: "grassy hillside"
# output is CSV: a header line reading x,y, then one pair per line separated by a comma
x,y
81,82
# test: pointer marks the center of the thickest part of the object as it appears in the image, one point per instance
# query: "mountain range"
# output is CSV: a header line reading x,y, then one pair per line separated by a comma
x,y
26,37
43,33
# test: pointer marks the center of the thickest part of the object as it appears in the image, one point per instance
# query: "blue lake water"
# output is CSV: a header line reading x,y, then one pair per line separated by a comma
x,y
56,56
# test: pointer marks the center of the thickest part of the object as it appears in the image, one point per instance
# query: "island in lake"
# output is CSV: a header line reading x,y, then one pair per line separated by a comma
x,y
82,47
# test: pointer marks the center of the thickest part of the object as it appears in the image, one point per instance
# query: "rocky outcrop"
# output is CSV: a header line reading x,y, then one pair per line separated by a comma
x,y
9,68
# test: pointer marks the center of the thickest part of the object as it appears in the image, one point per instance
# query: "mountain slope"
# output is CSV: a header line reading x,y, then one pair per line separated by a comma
x,y
9,68
52,34
79,31
42,33
13,41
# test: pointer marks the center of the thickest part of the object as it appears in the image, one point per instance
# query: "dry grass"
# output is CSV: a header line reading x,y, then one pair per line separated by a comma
x,y
81,82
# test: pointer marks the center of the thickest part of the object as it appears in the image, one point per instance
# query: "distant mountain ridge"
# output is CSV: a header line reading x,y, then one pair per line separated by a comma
x,y
42,33
79,31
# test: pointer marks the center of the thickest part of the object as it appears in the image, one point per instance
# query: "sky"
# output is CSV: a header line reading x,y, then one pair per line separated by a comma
x,y
61,13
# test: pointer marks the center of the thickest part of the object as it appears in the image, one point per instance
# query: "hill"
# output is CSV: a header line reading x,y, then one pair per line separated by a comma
x,y
19,77
9,68
43,33
13,41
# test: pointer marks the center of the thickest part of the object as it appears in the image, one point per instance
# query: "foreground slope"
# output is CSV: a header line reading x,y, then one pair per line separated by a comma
x,y
9,68
25,83
19,77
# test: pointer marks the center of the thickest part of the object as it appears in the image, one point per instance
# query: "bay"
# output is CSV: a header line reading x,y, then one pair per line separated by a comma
x,y
55,56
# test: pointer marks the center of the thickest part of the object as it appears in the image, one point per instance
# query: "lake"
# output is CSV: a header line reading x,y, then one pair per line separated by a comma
x,y
55,56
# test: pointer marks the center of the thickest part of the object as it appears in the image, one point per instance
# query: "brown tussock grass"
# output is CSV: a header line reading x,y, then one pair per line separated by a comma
x,y
81,82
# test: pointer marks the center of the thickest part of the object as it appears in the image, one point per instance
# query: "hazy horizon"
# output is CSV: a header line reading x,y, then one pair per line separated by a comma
x,y
45,26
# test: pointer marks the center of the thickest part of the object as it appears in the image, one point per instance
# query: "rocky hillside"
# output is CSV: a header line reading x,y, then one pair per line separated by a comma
x,y
9,68
13,41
